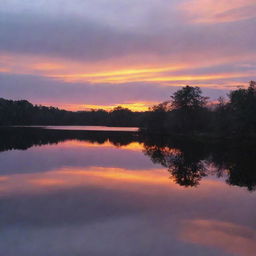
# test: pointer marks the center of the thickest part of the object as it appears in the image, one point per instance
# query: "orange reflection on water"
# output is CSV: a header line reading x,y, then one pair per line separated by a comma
x,y
110,177
87,144
157,179
3,178
230,237
143,176
133,146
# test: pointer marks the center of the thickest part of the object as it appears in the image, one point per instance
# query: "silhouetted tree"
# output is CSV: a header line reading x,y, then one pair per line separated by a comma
x,y
189,110
188,113
221,118
156,119
242,109
188,98
120,116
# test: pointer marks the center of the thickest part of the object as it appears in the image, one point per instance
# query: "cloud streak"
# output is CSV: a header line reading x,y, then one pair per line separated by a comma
x,y
210,11
154,44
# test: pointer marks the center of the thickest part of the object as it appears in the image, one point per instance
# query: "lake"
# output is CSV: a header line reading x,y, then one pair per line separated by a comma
x,y
85,128
117,193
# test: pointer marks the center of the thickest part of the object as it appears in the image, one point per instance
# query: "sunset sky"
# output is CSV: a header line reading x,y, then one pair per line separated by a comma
x,y
84,54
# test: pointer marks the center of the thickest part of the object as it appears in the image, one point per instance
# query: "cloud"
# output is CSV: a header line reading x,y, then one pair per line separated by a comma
x,y
210,11
118,44
40,90
89,41
119,72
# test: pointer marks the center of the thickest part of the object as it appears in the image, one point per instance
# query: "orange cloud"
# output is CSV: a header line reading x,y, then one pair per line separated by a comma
x,y
192,68
211,11
47,66
121,71
4,70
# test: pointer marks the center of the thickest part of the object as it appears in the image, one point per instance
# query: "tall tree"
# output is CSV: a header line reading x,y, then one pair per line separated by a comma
x,y
188,98
242,108
189,110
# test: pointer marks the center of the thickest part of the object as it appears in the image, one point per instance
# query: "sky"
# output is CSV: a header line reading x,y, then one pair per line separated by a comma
x,y
81,54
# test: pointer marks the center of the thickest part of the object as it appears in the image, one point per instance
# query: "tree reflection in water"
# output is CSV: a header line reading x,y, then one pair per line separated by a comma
x,y
188,160
184,168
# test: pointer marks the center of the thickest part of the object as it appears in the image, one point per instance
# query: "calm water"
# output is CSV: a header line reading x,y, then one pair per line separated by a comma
x,y
88,128
114,193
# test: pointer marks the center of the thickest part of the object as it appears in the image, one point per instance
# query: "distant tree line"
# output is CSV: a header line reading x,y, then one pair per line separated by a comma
x,y
22,112
188,112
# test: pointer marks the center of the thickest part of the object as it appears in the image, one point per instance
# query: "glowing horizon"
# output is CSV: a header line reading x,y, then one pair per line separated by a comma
x,y
78,60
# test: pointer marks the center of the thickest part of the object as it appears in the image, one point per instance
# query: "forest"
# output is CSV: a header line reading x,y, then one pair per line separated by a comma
x,y
189,112
186,112
22,112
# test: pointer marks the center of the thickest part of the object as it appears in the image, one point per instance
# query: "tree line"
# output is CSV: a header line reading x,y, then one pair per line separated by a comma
x,y
188,112
22,112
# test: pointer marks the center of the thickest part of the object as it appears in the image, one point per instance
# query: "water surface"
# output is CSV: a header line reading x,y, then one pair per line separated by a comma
x,y
114,193
86,128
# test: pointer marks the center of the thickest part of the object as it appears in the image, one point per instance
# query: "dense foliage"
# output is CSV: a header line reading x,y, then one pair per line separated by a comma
x,y
188,112
23,112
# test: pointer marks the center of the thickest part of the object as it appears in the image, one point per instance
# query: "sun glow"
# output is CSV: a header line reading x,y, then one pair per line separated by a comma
x,y
128,71
120,71
136,106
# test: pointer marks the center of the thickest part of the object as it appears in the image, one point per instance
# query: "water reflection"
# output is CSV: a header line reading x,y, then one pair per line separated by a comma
x,y
232,238
24,138
109,193
188,161
186,170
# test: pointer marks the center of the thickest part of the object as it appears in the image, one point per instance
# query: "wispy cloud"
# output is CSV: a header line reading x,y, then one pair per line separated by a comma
x,y
153,44
211,11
